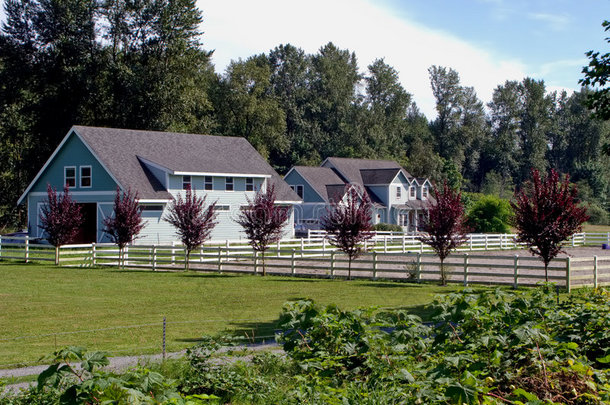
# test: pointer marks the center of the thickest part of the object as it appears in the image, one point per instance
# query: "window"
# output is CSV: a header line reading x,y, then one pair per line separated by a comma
x,y
85,176
186,182
398,192
208,183
151,207
424,192
229,184
299,190
222,208
70,176
412,191
402,219
249,184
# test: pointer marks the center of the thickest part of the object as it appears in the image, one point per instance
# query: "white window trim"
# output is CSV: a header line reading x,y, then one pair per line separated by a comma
x,y
251,183
232,184
296,190
66,179
424,192
412,192
205,183
398,193
80,176
190,182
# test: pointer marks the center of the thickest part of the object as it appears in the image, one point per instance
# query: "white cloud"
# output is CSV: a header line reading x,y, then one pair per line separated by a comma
x,y
557,22
239,29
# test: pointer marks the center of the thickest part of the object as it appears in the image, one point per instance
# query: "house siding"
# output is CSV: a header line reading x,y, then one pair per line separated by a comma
x,y
309,194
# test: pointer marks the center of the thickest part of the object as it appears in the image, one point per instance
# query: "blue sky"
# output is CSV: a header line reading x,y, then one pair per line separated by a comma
x,y
486,41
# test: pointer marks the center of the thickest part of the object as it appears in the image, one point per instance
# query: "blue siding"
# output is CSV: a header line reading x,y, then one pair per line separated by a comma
x,y
309,194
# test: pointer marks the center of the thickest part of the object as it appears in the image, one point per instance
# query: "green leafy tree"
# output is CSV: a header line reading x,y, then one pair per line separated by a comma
x,y
490,214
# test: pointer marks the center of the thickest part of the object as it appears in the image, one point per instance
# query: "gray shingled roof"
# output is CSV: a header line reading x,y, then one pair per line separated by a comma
x,y
318,178
378,176
119,149
351,169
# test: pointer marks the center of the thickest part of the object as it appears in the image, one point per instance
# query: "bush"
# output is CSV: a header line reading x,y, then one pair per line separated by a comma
x,y
383,227
490,214
597,215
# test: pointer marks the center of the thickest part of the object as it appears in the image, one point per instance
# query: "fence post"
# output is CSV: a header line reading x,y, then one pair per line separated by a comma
x,y
470,240
324,245
418,268
154,258
573,240
292,263
385,244
486,241
608,237
421,247
332,264
27,249
278,248
404,243
302,247
465,269
568,281
501,241
93,254
374,265
0,246
516,267
219,259
595,272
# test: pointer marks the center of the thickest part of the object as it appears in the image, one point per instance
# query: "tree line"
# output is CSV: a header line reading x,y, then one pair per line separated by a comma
x,y
143,65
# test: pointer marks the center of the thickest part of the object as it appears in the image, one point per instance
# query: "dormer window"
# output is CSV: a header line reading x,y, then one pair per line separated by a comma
x,y
208,183
229,184
70,176
299,190
424,192
249,184
85,176
186,182
398,193
412,191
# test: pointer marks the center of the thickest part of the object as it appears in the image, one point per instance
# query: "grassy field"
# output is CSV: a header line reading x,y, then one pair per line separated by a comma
x,y
43,307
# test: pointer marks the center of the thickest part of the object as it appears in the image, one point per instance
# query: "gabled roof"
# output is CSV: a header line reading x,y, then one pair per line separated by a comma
x,y
351,169
125,153
378,176
319,178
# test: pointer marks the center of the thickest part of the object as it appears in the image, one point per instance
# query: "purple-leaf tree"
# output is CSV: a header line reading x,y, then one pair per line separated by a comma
x,y
263,221
193,221
126,223
60,218
546,214
348,224
444,225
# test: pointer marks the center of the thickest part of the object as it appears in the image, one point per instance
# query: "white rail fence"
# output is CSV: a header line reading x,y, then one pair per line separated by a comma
x,y
393,257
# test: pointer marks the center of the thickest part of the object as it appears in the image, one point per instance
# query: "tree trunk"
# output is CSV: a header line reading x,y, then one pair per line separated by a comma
x,y
546,271
186,260
443,274
264,268
349,268
57,255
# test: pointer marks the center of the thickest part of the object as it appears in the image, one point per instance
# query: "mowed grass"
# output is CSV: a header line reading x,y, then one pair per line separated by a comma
x,y
43,308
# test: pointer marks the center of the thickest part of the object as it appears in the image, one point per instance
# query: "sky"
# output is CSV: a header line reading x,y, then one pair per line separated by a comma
x,y
486,41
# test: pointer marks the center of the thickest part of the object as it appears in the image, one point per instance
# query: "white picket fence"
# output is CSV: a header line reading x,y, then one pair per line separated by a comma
x,y
389,257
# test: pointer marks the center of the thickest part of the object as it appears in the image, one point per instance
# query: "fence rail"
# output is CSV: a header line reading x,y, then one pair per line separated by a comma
x,y
389,256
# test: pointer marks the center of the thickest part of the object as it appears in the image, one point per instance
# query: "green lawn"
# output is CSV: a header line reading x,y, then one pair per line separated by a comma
x,y
41,307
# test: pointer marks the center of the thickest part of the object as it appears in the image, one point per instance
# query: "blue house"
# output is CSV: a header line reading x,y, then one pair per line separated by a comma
x,y
158,166
397,197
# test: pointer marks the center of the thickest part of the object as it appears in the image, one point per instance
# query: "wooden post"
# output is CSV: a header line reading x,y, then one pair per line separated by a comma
x,y
595,272
404,243
302,247
154,258
93,254
0,246
421,247
278,248
568,267
324,245
292,263
516,272
332,264
418,268
385,244
465,269
501,241
573,239
27,249
374,265
470,240
219,259
486,241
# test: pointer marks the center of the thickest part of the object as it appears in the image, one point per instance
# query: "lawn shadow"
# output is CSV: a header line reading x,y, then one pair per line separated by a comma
x,y
245,332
